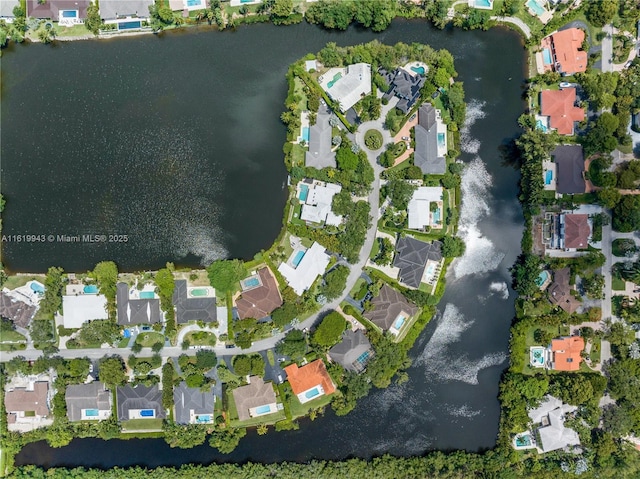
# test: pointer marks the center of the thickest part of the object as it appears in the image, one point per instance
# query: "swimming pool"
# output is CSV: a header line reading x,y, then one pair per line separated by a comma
x,y
536,356
311,393
147,295
90,289
194,3
305,133
126,333
548,178
91,412
129,25
483,3
397,324
297,258
541,126
418,70
536,7
542,277
263,409
523,441
363,358
304,192
36,287
147,413
441,142
546,56
436,216
203,418
199,292
69,13
431,269
336,77
251,282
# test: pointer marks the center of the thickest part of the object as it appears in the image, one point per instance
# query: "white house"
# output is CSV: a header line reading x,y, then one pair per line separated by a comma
x,y
419,208
347,85
301,276
552,432
317,206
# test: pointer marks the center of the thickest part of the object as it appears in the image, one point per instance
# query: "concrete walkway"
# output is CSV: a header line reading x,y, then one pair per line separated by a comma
x,y
517,22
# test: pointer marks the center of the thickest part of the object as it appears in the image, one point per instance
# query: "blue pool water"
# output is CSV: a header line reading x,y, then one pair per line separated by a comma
x,y
483,3
523,441
305,133
147,413
129,25
546,56
548,178
147,295
203,418
535,7
69,13
91,412
251,282
440,139
37,288
541,126
399,322
297,258
304,192
436,216
363,358
263,409
311,393
194,3
90,289
126,333
542,277
418,70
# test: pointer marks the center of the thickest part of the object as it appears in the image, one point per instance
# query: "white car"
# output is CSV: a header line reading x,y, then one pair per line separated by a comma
x,y
565,84
90,367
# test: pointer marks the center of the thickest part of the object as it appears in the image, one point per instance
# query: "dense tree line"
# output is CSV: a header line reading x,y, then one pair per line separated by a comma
x,y
335,14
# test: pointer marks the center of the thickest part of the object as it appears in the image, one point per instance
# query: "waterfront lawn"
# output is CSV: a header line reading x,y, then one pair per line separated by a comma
x,y
298,90
297,155
14,282
74,31
554,331
201,338
298,409
254,421
133,425
148,338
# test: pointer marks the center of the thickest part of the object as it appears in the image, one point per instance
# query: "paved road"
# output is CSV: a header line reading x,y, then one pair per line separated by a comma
x,y
606,269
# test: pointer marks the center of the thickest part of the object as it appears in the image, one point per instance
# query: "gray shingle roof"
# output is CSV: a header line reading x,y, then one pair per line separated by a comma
x,y
86,396
405,86
112,9
192,309
187,399
353,345
320,155
387,306
139,397
570,161
425,155
135,311
411,257
17,311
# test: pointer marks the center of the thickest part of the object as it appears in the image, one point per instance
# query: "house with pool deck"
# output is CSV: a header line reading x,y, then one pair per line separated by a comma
x,y
353,352
562,52
139,402
304,266
425,208
19,305
256,399
65,12
193,405
316,198
559,292
559,106
310,381
418,262
320,154
405,83
430,141
88,402
127,14
391,311
137,307
347,85
195,303
548,420
26,403
260,295
82,303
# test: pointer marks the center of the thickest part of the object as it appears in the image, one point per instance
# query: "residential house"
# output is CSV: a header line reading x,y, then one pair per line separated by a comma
x,y
405,85
560,107
192,405
566,231
139,402
300,273
134,308
347,86
193,308
320,154
566,353
428,132
255,399
6,10
561,52
353,352
317,206
117,9
310,381
551,432
390,310
90,402
560,291
260,295
569,160
27,404
310,65
419,208
58,10
81,304
412,258
17,311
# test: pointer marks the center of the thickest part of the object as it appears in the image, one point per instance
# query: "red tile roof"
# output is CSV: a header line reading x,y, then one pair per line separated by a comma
x,y
559,106
309,376
576,231
566,353
566,47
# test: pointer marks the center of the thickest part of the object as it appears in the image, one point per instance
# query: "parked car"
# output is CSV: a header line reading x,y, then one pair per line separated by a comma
x,y
413,117
280,378
565,84
229,346
90,367
628,64
636,290
405,138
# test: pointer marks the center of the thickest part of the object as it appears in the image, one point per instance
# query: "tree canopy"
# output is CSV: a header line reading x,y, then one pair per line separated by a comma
x,y
224,275
330,329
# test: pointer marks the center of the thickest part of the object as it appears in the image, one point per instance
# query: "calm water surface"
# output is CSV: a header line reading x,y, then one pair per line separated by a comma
x,y
176,142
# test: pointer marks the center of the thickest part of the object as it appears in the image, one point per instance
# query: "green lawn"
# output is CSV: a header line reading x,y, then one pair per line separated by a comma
x,y
201,338
298,409
74,31
617,284
12,336
297,155
596,347
149,338
142,425
356,287
14,282
298,90
12,346
375,249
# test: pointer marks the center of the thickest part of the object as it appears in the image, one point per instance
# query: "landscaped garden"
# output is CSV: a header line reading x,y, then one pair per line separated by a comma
x,y
373,139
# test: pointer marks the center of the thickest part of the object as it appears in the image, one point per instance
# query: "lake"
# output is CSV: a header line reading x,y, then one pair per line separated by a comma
x,y
176,142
